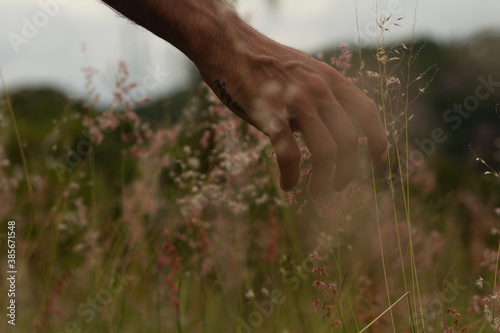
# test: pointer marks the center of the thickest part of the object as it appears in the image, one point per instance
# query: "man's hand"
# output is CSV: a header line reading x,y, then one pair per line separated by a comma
x,y
279,90
275,88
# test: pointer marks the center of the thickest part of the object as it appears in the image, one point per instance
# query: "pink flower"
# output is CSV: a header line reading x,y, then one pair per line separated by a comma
x,y
117,96
205,139
142,101
128,88
318,283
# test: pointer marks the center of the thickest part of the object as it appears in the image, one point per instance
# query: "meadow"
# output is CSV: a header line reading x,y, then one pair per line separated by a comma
x,y
129,224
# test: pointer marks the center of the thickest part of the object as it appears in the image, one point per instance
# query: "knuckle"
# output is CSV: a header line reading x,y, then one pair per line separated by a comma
x,y
332,76
274,128
317,84
287,152
297,96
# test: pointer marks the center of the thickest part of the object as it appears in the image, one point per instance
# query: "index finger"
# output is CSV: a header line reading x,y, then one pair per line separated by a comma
x,y
364,110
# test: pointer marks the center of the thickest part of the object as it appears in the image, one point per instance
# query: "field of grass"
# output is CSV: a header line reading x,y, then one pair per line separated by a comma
x,y
125,226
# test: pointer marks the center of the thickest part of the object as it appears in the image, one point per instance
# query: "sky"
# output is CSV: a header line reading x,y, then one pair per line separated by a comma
x,y
47,42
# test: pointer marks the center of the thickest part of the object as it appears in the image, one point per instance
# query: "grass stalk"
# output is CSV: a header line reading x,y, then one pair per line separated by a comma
x,y
343,287
21,151
495,281
383,313
382,247
375,196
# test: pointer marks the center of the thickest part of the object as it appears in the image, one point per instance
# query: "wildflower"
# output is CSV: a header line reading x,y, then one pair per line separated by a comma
x,y
305,171
124,137
50,308
496,325
316,304
128,88
108,121
343,62
173,261
117,96
318,283
193,162
393,80
142,101
474,304
320,270
371,74
333,287
82,211
336,323
329,308
314,255
262,199
249,294
487,312
204,141
479,282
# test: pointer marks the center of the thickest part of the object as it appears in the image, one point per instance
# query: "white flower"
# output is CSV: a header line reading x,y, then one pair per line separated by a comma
x,y
479,282
249,294
262,199
193,162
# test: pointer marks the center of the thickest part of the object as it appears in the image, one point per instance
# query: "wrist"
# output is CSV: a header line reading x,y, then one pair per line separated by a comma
x,y
212,36
198,28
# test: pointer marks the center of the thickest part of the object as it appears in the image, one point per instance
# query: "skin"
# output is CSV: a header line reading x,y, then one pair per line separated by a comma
x,y
273,87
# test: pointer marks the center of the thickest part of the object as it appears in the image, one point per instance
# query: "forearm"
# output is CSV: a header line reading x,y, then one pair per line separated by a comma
x,y
201,29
